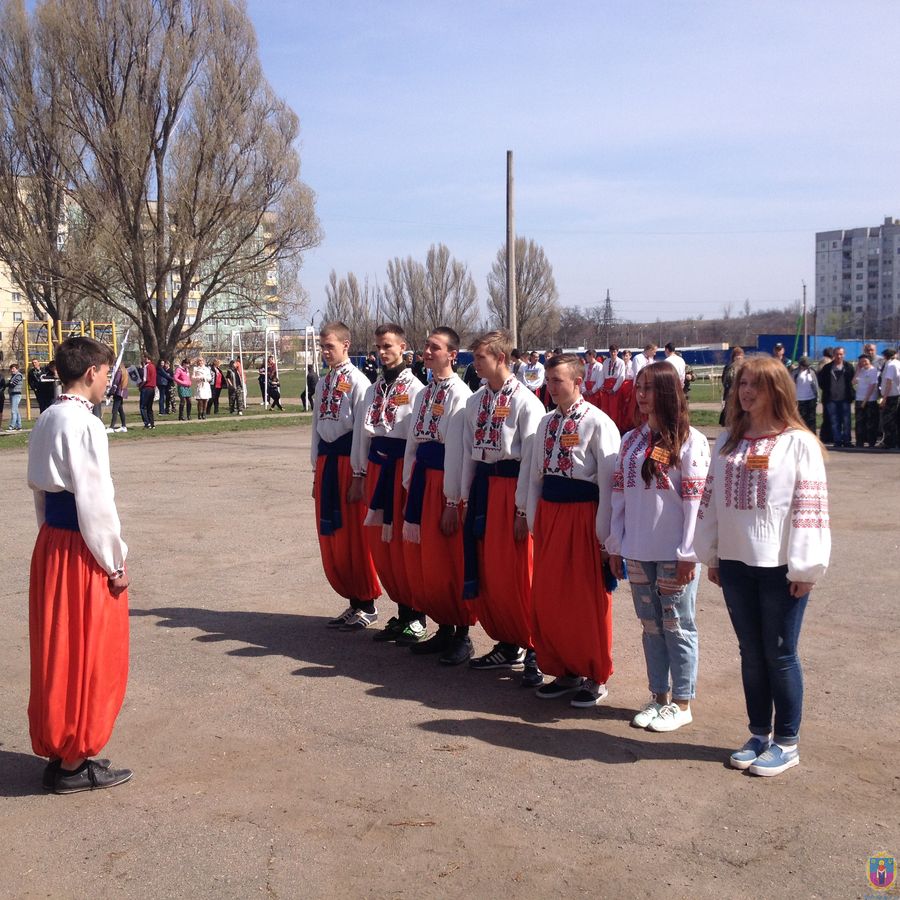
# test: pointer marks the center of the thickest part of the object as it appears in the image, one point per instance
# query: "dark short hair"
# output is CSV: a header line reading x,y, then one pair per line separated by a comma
x,y
670,347
76,355
390,328
449,335
613,348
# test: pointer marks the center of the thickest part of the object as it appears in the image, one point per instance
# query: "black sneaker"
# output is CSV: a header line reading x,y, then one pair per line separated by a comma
x,y
439,642
90,777
559,687
52,768
461,649
503,656
390,632
532,676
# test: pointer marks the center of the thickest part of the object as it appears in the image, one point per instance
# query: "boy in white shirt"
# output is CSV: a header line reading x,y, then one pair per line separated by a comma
x,y
78,599
865,382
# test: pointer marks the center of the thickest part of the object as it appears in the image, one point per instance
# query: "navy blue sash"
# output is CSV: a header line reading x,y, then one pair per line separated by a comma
x,y
60,510
476,517
385,451
429,455
556,489
330,491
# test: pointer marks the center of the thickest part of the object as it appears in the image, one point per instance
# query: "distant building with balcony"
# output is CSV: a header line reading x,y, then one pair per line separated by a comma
x,y
857,288
14,308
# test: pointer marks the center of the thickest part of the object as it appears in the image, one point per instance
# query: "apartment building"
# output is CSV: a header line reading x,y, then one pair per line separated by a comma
x,y
14,309
857,288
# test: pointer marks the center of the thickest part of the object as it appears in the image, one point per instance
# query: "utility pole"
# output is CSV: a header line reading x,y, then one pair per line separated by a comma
x,y
512,317
607,317
805,329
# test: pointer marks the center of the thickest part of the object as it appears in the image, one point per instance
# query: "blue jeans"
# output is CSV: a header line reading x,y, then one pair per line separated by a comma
x,y
666,611
767,620
147,405
839,417
15,417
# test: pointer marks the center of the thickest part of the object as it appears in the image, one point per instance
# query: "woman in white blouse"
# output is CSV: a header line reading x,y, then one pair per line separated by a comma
x,y
659,478
763,531
201,376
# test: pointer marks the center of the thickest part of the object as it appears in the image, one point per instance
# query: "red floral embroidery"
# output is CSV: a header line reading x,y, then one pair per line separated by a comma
x,y
747,488
557,426
809,506
428,421
488,422
383,410
332,398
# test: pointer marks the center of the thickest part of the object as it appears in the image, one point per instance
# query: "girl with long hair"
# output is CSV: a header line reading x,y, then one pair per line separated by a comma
x,y
659,477
763,531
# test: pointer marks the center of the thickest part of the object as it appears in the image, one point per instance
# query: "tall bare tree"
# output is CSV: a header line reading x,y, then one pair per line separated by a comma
x,y
404,298
188,174
536,296
450,294
40,231
351,304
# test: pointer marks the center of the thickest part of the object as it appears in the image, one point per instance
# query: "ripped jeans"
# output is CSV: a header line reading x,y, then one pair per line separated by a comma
x,y
666,611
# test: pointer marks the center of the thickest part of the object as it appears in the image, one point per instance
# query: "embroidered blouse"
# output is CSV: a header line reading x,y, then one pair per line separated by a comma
x,y
582,444
627,374
336,404
437,413
388,413
612,368
656,522
534,375
496,425
69,451
766,504
593,378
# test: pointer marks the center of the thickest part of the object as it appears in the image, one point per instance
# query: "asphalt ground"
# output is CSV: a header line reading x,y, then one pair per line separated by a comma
x,y
274,757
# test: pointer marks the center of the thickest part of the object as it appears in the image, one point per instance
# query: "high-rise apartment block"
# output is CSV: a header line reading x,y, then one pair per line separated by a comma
x,y
858,279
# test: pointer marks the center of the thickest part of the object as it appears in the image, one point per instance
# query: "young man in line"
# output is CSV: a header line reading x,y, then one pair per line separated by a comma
x,y
593,378
500,423
569,511
338,403
431,529
379,444
612,370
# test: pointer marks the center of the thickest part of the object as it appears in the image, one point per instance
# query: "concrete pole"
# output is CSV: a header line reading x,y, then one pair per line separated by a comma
x,y
805,328
511,312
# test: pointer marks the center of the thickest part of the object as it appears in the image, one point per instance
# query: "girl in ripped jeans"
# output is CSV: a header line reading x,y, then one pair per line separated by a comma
x,y
659,478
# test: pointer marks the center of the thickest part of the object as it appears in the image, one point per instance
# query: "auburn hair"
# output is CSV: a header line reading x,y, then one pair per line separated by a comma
x,y
670,410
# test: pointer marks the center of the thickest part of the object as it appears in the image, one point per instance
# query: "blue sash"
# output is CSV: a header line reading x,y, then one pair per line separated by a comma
x,y
330,491
556,489
429,455
60,510
476,517
385,451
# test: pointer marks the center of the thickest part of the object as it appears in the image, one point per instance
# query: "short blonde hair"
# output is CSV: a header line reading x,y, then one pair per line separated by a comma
x,y
496,343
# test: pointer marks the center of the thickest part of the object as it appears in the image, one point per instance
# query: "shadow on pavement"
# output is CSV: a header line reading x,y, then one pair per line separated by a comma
x,y
20,774
393,672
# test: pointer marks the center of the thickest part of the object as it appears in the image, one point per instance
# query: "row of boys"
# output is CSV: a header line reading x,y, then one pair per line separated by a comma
x,y
468,507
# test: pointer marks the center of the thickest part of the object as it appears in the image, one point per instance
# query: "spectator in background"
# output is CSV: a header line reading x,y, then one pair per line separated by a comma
x,y
471,377
836,382
118,390
807,386
778,353
234,379
673,359
890,398
164,382
369,369
825,428
517,365
34,380
148,391
865,383
309,389
274,385
534,374
14,388
418,368
728,376
183,384
2,396
644,359
215,385
201,377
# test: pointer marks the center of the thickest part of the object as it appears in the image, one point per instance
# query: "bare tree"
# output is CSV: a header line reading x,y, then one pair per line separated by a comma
x,y
405,296
536,295
38,236
348,303
450,294
188,175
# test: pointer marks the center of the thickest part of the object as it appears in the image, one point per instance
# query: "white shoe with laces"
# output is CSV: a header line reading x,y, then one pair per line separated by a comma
x,y
646,714
671,717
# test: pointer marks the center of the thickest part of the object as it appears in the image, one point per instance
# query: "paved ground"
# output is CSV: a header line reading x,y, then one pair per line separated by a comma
x,y
277,758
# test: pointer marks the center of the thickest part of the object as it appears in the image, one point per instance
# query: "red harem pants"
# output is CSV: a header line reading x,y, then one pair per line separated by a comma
x,y
434,566
345,554
78,634
388,556
627,406
609,402
572,608
503,606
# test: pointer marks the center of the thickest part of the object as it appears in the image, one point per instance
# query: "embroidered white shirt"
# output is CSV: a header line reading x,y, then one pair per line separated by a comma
x,y
338,400
593,378
627,374
581,444
656,522
774,515
387,413
436,416
534,375
498,425
68,451
612,368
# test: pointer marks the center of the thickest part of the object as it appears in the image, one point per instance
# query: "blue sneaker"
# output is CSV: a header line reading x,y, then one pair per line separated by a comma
x,y
748,754
774,761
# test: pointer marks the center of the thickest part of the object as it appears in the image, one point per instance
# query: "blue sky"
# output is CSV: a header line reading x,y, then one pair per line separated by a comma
x,y
681,154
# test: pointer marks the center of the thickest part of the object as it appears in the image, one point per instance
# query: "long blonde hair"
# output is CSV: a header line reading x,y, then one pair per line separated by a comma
x,y
773,381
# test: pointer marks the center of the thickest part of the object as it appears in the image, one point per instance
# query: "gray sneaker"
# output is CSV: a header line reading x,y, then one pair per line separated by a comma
x,y
360,621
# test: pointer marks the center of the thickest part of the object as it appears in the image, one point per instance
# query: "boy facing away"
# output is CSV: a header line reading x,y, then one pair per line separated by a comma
x,y
78,598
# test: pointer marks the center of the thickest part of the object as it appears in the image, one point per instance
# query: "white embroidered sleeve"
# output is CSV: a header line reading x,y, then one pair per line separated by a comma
x,y
809,537
694,470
